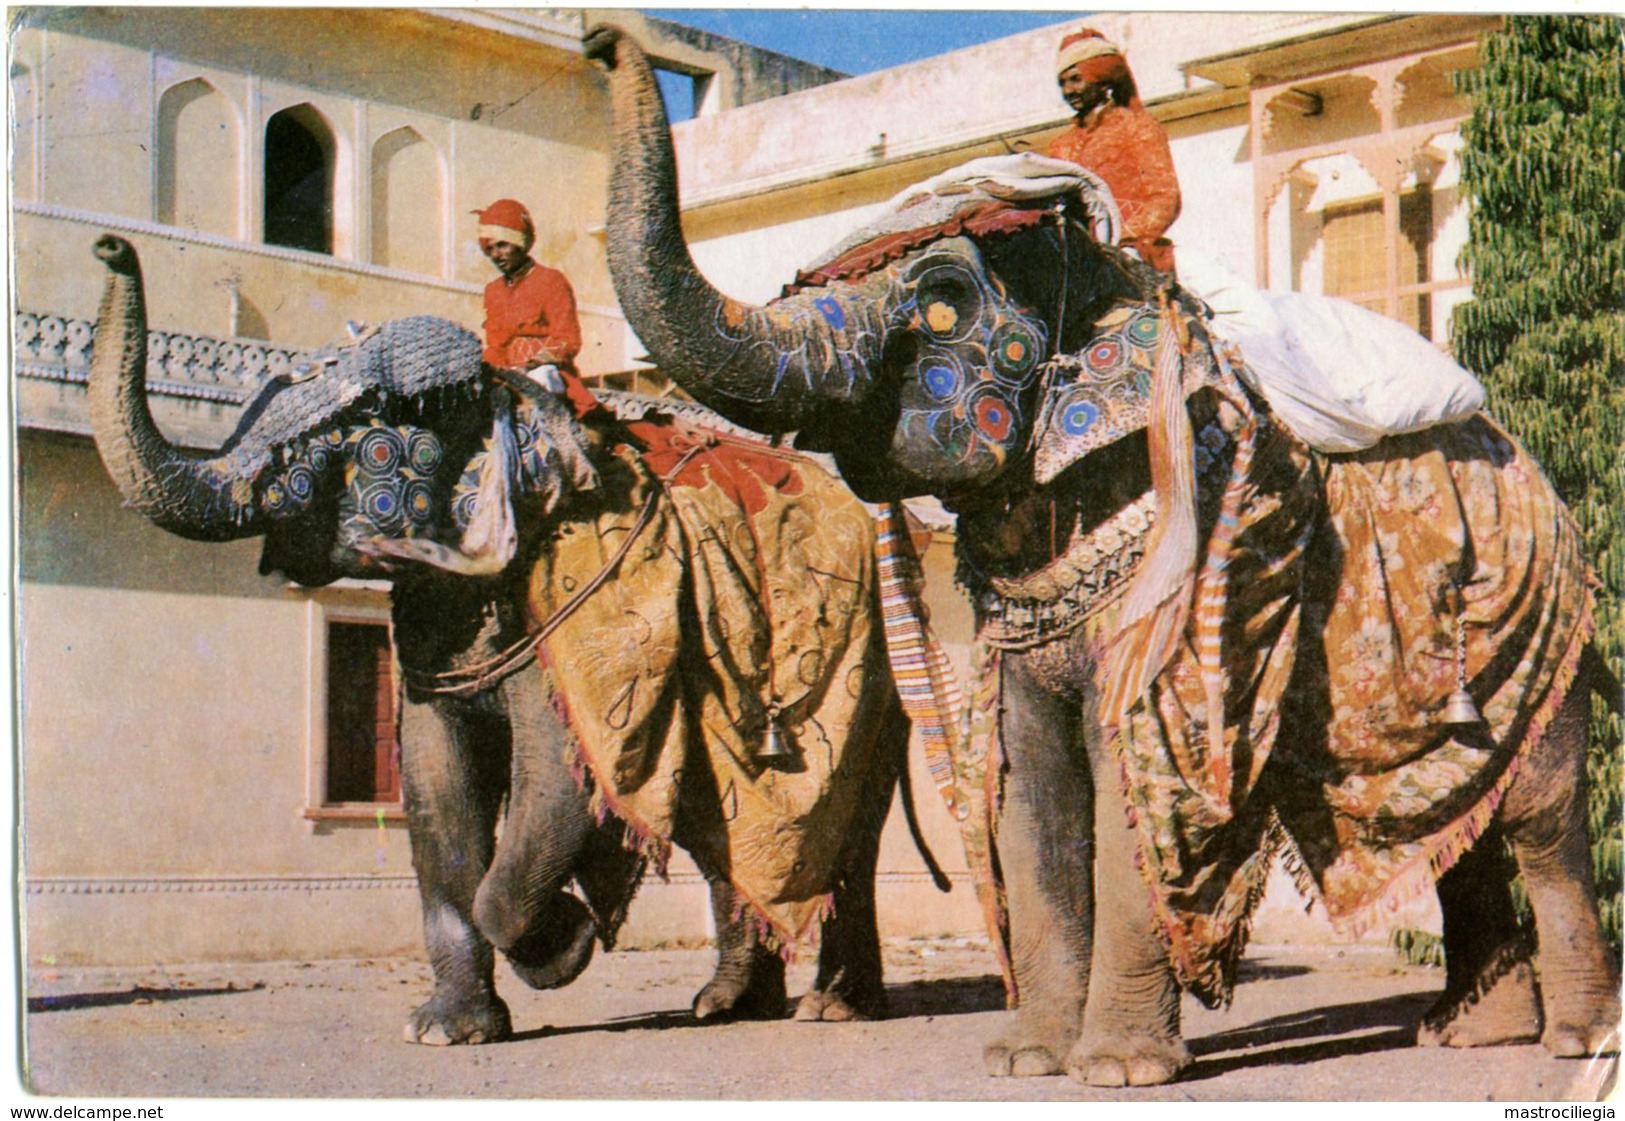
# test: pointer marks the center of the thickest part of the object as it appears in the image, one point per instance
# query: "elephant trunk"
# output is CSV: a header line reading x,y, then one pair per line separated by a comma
x,y
178,491
773,368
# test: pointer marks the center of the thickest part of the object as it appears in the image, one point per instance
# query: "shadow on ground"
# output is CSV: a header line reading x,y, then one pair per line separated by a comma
x,y
137,994
1361,1028
953,996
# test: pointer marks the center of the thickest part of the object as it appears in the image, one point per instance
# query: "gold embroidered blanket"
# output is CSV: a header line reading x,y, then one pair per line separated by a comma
x,y
750,588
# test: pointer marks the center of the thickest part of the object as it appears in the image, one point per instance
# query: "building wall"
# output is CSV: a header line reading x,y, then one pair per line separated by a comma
x,y
502,118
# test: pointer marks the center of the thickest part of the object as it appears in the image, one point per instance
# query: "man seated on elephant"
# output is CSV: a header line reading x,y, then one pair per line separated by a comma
x,y
530,310
1114,137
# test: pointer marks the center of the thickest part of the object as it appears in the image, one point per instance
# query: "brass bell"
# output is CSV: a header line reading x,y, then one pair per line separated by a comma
x,y
775,745
1460,709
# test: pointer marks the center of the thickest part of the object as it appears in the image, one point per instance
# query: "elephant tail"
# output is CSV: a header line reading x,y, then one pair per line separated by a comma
x,y
906,790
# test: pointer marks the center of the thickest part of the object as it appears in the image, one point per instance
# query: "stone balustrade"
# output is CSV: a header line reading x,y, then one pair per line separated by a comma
x,y
58,348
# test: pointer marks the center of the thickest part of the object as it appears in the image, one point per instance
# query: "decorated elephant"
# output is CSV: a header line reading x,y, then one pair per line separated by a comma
x,y
614,635
1201,645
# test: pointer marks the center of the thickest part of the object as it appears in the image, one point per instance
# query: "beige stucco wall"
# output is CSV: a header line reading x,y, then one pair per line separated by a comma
x,y
165,702
98,75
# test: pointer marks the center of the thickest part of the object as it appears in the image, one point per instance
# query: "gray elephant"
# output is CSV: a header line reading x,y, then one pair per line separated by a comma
x,y
627,633
1202,646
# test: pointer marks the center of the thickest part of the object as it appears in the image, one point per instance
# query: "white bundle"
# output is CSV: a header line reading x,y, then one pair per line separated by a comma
x,y
1339,376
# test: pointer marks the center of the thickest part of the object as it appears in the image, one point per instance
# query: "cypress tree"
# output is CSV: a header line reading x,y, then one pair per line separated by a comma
x,y
1546,327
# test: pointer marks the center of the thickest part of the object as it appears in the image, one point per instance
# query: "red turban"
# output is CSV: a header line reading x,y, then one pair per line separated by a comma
x,y
506,220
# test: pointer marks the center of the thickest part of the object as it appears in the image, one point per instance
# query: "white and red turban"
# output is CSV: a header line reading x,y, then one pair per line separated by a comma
x,y
1096,57
506,220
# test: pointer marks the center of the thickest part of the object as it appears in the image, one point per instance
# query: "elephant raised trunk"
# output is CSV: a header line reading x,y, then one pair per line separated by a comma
x,y
182,492
768,368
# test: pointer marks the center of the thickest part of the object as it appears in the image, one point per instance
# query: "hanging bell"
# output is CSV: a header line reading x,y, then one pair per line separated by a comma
x,y
775,745
1460,709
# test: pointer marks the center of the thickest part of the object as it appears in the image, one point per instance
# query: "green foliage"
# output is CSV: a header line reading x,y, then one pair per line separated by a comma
x,y
1418,947
1545,165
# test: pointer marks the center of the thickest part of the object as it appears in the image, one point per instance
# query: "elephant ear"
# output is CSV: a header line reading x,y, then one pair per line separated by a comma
x,y
1102,393
536,452
556,453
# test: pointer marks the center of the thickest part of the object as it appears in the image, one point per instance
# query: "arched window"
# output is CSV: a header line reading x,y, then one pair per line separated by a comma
x,y
408,215
299,159
198,150
24,159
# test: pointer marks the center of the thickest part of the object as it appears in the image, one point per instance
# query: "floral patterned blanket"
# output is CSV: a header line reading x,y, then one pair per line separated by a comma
x,y
1335,618
1339,659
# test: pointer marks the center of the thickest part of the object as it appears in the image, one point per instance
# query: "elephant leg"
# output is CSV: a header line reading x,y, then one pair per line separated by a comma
x,y
521,906
850,984
1131,1030
1545,814
749,980
453,762
1490,997
1045,841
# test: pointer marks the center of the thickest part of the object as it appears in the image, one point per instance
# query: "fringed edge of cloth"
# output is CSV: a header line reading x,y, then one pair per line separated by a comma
x,y
926,684
1215,986
979,220
931,696
1458,837
772,938
654,848
639,837
651,850
1153,612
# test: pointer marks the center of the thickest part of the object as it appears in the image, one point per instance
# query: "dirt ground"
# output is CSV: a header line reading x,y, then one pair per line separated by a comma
x,y
1307,1024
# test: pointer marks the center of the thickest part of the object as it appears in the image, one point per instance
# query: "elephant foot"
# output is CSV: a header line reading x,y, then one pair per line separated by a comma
x,y
1500,1007
557,947
443,1022
1586,1031
758,994
1009,1060
1129,1060
835,1007
1034,1049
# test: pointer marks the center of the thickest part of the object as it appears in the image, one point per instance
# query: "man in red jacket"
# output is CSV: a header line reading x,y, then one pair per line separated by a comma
x,y
1114,137
530,310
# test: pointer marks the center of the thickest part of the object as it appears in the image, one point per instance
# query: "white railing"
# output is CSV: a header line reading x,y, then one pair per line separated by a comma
x,y
58,348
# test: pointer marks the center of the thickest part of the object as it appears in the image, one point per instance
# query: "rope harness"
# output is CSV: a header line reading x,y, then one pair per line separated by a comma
x,y
478,678
511,659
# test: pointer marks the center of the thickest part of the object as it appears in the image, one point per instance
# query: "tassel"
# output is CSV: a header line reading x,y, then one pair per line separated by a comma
x,y
1156,606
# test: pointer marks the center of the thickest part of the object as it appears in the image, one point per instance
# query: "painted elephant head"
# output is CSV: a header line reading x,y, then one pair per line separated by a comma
x,y
387,440
915,353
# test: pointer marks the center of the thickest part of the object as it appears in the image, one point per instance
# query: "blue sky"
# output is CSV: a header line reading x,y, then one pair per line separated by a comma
x,y
859,41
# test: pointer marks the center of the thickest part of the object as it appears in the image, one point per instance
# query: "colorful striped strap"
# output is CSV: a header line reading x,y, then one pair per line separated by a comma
x,y
925,679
